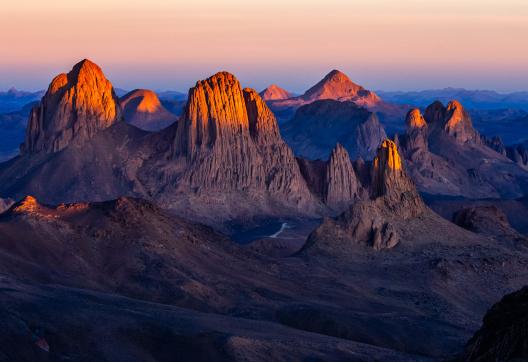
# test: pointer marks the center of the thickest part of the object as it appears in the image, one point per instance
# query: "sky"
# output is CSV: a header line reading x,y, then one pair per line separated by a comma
x,y
169,44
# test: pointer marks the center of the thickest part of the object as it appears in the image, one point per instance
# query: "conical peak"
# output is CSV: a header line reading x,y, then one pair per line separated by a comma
x,y
336,85
337,76
147,100
388,157
415,120
274,92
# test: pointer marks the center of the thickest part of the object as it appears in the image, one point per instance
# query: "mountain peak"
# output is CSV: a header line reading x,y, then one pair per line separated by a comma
x,y
337,85
415,120
215,109
143,109
148,100
76,106
337,75
274,92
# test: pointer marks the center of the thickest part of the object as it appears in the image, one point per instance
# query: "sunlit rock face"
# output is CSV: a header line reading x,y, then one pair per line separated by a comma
x,y
458,123
452,120
417,133
230,141
336,85
143,109
274,92
76,106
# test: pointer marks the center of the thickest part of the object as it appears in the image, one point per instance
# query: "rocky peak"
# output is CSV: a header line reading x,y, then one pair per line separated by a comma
x,y
458,123
452,120
263,126
215,109
386,168
415,120
390,182
417,133
274,92
341,184
146,101
435,113
75,107
230,142
336,85
143,109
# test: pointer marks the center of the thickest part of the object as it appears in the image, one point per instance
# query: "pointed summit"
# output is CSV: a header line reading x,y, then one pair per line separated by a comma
x,y
76,106
388,176
336,85
274,92
341,184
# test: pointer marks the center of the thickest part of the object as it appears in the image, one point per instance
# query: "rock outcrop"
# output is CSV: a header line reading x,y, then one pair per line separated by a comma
x,y
274,92
143,109
76,106
504,332
340,182
417,133
446,155
488,220
318,126
228,141
458,123
376,221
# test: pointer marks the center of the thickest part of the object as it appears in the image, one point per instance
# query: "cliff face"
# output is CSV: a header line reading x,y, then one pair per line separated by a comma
x,y
76,106
341,184
228,140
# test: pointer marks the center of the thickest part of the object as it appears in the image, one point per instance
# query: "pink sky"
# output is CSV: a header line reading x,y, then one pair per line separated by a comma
x,y
169,44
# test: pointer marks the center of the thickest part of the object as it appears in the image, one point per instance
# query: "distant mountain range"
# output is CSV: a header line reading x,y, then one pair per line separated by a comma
x,y
472,99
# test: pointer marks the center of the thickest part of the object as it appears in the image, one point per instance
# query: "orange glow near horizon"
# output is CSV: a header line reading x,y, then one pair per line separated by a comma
x,y
167,44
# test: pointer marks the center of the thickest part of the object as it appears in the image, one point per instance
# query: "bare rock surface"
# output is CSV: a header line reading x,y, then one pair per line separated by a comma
x,y
447,156
503,335
76,106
